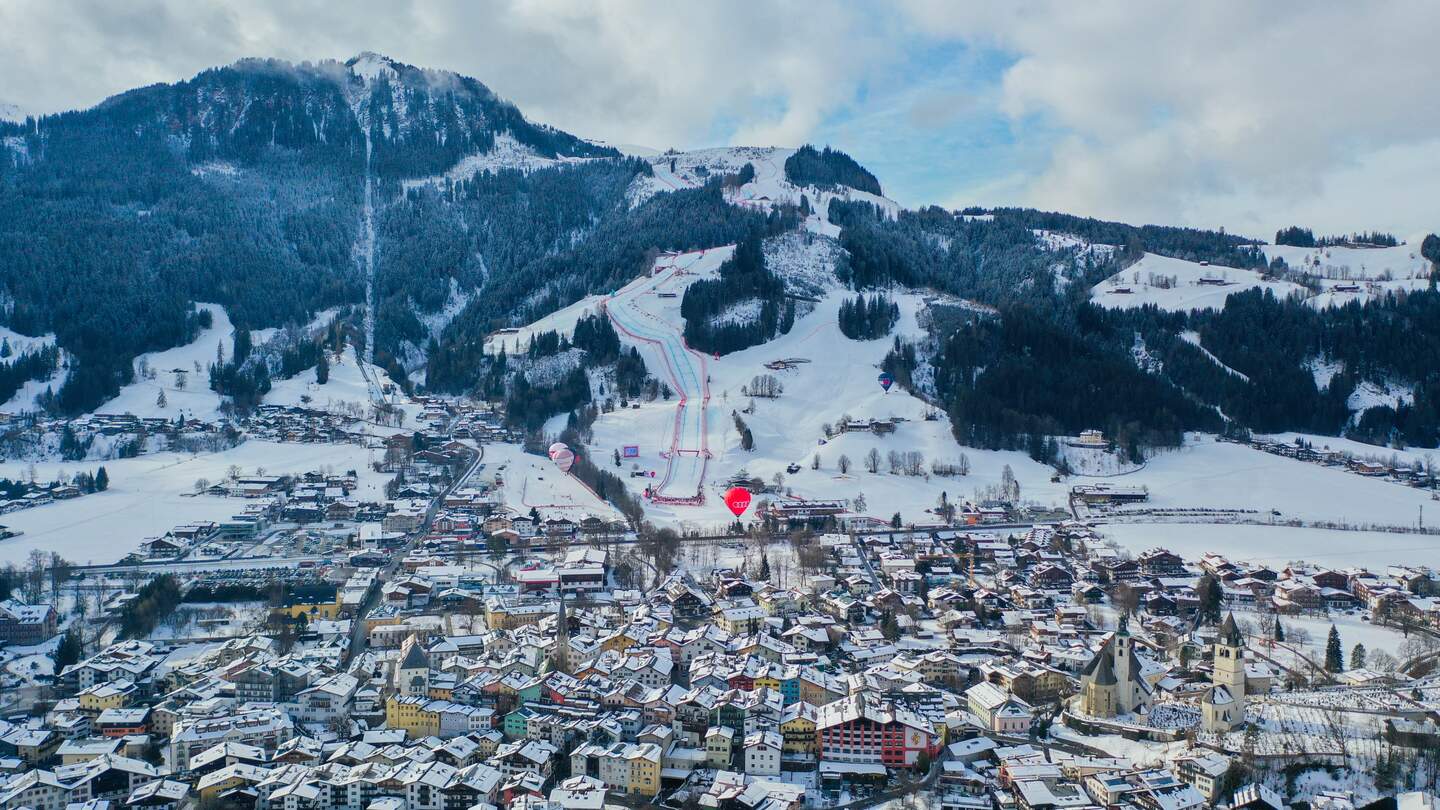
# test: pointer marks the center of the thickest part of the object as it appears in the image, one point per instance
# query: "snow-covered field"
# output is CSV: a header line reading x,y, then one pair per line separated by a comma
x,y
1174,285
534,482
1376,271
1277,545
1352,629
151,494
1221,475
1350,263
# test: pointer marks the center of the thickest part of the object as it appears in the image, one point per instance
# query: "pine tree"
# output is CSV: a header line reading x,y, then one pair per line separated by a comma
x,y
322,369
1334,653
69,651
1357,656
1211,596
764,568
1279,632
102,480
160,401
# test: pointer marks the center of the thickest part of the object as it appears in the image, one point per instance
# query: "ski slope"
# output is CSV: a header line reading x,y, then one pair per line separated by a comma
x,y
653,324
838,378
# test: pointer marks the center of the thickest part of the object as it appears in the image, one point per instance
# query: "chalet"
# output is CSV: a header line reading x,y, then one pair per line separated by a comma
x,y
24,625
162,547
1160,562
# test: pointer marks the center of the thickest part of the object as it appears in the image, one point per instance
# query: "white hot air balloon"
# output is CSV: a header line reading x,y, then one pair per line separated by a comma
x,y
563,456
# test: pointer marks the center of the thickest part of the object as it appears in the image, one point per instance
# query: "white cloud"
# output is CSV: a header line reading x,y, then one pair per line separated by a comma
x,y
1230,112
623,70
1181,111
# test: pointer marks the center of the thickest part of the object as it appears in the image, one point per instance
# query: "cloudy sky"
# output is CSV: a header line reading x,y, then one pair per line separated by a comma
x,y
1224,113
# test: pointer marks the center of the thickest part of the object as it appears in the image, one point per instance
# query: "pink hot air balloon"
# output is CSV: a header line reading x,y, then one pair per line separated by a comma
x,y
737,499
563,456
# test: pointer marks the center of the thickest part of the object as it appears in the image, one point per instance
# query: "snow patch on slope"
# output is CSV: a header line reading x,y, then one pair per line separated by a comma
x,y
1323,370
507,153
1193,338
739,313
562,321
804,261
215,168
180,373
24,399
1176,285
695,168
1369,395
347,392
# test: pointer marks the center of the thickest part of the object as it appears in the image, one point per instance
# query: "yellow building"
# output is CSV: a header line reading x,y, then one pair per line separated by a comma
x,y
618,642
644,762
409,712
797,726
102,696
238,775
313,602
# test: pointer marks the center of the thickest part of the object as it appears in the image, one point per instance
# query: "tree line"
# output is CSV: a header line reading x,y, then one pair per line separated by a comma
x,y
864,318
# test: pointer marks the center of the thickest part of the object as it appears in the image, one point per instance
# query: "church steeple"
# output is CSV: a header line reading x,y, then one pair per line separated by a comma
x,y
1230,634
560,655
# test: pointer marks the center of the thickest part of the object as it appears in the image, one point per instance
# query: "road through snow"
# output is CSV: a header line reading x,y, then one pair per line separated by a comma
x,y
633,310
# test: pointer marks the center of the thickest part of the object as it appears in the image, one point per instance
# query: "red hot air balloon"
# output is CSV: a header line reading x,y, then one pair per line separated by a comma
x,y
886,381
737,500
563,456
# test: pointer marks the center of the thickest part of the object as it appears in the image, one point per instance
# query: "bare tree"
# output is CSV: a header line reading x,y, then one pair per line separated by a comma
x,y
766,386
843,463
914,462
872,461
